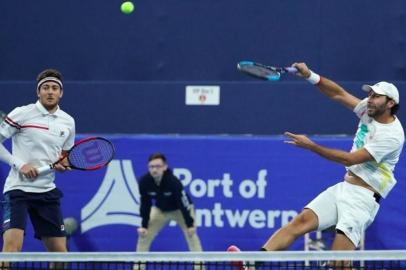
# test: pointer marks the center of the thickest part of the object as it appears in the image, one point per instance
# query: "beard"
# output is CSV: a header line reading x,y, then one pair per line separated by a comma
x,y
376,111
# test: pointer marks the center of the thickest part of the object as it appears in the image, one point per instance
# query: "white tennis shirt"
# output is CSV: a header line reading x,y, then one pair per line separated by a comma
x,y
384,142
38,137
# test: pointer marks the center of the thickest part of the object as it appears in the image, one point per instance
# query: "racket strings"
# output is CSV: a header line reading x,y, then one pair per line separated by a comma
x,y
263,71
91,154
259,71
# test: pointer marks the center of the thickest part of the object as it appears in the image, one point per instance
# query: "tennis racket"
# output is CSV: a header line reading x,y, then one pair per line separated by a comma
x,y
263,72
88,154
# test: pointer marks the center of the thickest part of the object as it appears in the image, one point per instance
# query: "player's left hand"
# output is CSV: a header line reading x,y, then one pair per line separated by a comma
x,y
62,165
299,140
191,231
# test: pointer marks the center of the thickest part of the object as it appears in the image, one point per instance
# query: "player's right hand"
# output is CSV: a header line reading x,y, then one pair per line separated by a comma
x,y
142,231
303,70
29,171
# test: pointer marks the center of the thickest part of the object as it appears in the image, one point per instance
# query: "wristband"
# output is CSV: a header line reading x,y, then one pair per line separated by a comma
x,y
314,78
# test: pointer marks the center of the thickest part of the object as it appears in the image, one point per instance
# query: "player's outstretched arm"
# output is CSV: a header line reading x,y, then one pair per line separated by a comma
x,y
346,158
328,87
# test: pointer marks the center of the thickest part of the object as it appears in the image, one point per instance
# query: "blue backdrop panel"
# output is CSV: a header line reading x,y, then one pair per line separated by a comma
x,y
201,40
127,73
244,188
249,107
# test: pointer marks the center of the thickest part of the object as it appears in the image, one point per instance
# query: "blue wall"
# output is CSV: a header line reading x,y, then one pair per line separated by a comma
x,y
150,107
127,73
169,40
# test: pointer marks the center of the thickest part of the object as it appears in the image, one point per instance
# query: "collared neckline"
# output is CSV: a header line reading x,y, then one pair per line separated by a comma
x,y
44,111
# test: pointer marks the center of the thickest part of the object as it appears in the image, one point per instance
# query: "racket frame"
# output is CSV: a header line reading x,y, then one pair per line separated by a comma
x,y
278,71
50,167
89,168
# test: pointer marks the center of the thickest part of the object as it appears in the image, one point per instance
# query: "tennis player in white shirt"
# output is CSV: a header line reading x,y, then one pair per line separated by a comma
x,y
41,132
351,205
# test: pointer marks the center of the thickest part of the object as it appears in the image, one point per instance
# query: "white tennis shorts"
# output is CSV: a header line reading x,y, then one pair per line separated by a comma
x,y
349,207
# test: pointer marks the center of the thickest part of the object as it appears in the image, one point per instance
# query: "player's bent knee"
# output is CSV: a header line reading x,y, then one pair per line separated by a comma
x,y
304,222
12,243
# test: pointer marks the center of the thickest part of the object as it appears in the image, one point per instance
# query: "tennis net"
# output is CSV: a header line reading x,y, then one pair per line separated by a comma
x,y
391,259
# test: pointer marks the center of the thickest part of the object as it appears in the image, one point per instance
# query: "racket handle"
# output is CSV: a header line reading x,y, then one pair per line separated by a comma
x,y
44,169
291,69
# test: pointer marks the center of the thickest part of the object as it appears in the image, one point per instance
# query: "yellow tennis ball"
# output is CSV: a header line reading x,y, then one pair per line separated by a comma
x,y
127,7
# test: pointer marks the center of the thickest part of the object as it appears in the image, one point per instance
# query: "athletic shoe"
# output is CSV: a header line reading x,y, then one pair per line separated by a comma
x,y
238,265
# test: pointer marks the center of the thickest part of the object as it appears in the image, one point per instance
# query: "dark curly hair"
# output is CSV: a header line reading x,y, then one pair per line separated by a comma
x,y
49,73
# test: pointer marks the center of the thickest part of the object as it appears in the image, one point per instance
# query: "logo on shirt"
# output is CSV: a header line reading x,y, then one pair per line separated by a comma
x,y
62,133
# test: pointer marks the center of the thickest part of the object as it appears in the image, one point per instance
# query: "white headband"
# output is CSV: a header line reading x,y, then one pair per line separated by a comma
x,y
49,79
